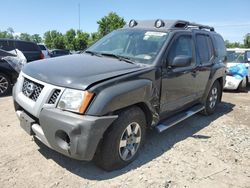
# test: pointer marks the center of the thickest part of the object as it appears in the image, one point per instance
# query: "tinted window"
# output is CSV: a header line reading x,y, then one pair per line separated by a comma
x,y
205,48
6,45
219,46
183,45
42,47
26,46
248,56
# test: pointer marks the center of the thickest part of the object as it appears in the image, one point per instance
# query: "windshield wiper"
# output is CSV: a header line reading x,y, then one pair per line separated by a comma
x,y
121,58
93,53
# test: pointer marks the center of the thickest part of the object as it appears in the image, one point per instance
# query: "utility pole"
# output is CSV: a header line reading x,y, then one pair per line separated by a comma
x,y
79,16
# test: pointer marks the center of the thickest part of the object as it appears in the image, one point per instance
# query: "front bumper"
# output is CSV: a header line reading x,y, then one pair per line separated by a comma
x,y
76,136
232,83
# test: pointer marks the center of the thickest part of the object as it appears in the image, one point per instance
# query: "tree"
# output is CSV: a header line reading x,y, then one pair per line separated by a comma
x,y
247,40
233,44
93,38
81,40
36,38
109,23
25,36
54,39
7,34
70,39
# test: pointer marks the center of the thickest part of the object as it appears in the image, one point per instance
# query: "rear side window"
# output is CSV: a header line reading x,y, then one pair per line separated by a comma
x,y
220,48
6,45
26,46
42,47
205,48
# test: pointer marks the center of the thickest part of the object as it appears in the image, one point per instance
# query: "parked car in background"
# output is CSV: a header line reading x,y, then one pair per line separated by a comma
x,y
238,69
99,104
44,50
59,52
8,75
30,50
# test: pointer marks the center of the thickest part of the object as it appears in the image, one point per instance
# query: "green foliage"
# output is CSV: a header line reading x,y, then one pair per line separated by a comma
x,y
233,44
93,38
54,39
247,40
25,36
109,23
81,40
36,38
7,34
70,38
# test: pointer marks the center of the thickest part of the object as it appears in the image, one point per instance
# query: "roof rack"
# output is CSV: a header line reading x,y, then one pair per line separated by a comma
x,y
167,24
200,26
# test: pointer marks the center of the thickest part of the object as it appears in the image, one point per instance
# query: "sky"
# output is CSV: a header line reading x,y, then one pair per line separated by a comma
x,y
230,18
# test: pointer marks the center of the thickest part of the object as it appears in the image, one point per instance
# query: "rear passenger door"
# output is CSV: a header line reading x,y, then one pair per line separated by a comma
x,y
205,60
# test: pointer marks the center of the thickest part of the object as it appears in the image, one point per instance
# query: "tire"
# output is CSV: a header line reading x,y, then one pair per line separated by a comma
x,y
5,85
213,99
243,85
123,140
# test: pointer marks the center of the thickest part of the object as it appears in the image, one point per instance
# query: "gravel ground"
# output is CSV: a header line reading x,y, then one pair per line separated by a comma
x,y
202,151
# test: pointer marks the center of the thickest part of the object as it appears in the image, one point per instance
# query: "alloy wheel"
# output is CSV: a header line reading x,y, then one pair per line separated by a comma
x,y
130,141
4,84
213,97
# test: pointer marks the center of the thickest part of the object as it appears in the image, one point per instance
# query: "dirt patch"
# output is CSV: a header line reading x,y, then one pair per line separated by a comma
x,y
202,151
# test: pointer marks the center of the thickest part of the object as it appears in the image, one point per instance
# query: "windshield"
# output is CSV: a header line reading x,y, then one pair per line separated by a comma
x,y
248,56
138,45
235,57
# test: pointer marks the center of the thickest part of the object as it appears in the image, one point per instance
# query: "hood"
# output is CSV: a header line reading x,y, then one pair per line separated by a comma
x,y
231,64
78,71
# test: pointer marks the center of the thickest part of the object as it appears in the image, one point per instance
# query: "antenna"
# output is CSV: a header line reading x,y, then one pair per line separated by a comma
x,y
79,16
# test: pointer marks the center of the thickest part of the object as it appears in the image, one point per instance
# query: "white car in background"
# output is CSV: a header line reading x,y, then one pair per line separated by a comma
x,y
238,56
44,50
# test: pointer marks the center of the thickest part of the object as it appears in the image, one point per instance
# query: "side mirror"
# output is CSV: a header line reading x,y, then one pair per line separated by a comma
x,y
181,61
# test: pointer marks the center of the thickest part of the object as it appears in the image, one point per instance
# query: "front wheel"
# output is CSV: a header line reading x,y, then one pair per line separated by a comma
x,y
243,84
123,140
213,98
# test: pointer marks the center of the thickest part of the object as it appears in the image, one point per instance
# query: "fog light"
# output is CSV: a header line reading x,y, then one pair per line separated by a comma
x,y
132,23
159,23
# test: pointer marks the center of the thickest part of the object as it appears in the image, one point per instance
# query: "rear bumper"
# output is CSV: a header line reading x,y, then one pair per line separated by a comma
x,y
73,135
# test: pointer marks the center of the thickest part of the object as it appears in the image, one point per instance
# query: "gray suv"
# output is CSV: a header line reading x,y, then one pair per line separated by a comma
x,y
99,104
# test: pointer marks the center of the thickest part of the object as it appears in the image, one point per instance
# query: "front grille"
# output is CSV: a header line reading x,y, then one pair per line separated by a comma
x,y
31,89
54,96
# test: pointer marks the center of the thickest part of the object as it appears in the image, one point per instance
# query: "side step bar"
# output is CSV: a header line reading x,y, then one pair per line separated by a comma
x,y
178,118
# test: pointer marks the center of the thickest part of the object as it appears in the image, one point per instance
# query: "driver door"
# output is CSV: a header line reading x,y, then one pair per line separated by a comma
x,y
178,83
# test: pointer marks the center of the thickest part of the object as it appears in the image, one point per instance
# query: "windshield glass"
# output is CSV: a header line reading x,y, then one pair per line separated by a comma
x,y
138,45
235,57
248,56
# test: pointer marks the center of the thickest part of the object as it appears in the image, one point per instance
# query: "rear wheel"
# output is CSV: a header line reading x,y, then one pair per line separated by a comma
x,y
5,84
213,98
123,140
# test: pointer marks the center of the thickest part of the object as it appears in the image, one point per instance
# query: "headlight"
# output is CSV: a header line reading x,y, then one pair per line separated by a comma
x,y
75,100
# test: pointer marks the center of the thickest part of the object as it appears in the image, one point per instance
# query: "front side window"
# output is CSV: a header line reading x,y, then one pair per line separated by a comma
x,y
183,45
141,46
